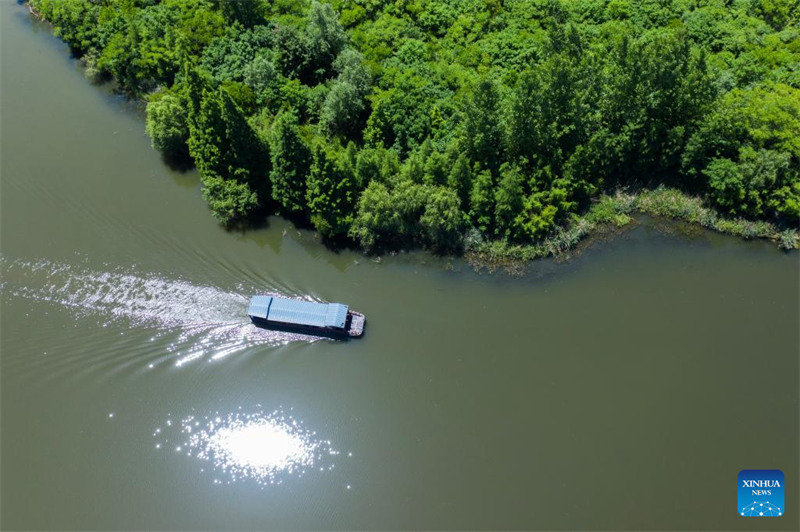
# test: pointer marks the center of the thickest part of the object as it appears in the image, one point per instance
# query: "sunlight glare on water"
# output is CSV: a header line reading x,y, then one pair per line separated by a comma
x,y
261,447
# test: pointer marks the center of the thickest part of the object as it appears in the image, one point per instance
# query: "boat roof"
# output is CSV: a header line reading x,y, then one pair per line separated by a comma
x,y
283,310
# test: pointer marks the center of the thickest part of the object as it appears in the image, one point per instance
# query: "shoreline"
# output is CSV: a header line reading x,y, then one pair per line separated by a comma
x,y
610,214
34,12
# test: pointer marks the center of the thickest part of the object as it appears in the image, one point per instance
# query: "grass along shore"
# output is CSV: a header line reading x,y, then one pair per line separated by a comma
x,y
613,212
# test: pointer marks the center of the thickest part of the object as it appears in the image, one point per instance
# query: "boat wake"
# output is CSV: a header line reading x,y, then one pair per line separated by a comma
x,y
202,321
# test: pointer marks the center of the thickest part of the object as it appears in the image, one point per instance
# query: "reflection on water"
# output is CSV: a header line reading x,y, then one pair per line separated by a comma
x,y
261,447
192,321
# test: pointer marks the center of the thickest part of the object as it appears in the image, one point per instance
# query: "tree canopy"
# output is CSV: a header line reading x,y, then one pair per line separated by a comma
x,y
408,123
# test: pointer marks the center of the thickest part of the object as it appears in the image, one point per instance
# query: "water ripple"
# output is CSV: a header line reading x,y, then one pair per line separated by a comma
x,y
191,321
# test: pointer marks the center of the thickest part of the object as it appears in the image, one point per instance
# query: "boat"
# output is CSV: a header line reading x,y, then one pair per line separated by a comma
x,y
321,319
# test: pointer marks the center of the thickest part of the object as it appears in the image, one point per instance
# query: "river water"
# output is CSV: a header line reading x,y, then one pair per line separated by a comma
x,y
622,389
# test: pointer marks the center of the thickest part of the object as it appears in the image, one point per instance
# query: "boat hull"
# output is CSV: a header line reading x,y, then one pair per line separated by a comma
x,y
354,327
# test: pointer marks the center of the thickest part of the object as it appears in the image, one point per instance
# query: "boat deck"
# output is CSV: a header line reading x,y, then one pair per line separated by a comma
x,y
311,317
357,324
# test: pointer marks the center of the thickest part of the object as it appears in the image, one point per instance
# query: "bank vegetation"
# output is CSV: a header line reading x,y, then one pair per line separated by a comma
x,y
500,128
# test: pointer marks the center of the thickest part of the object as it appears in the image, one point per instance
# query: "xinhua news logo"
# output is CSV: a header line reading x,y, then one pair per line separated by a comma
x,y
761,493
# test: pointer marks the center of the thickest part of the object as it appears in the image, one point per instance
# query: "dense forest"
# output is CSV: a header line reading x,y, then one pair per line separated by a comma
x,y
437,123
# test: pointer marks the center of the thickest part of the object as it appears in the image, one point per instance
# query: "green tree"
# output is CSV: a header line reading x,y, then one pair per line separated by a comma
x,y
435,169
325,37
121,55
291,162
545,208
229,58
167,124
376,164
242,95
207,135
75,21
482,131
460,180
246,155
343,110
776,13
525,117
330,192
656,91
401,115
248,13
482,201
262,76
230,200
442,222
377,221
509,204
746,153
225,147
291,51
745,188
467,96
197,26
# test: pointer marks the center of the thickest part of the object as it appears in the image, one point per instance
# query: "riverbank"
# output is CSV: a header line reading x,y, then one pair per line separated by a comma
x,y
609,214
301,110
612,213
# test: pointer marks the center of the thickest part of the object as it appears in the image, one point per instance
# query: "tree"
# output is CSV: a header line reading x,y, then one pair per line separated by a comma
x,y
544,209
207,135
482,132
550,116
121,56
482,201
765,117
468,96
230,200
231,159
197,27
376,164
261,76
229,58
776,13
246,156
377,221
242,95
330,193
460,180
442,222
654,93
509,198
745,188
343,110
525,116
351,68
401,115
435,169
76,22
167,125
746,153
411,200
325,37
414,167
248,13
291,162
291,51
